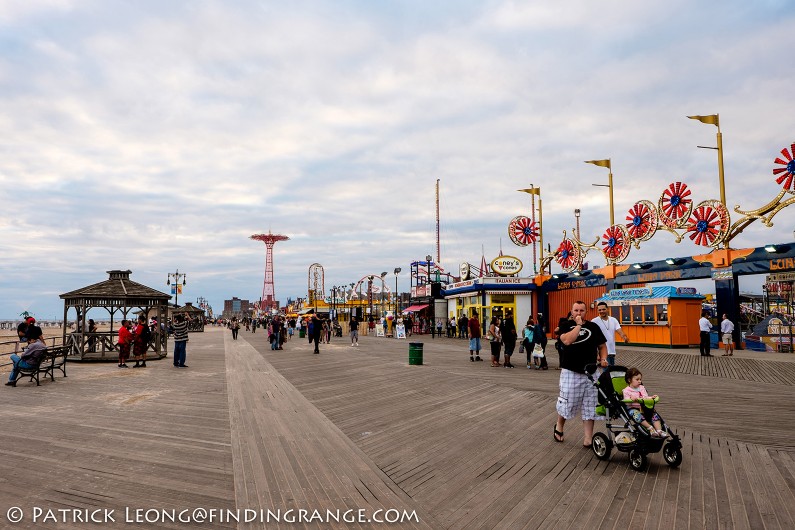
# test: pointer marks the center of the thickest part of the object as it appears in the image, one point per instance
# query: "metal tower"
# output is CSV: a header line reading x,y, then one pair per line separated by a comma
x,y
268,300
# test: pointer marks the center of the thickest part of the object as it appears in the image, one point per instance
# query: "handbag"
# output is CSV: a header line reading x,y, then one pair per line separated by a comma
x,y
538,351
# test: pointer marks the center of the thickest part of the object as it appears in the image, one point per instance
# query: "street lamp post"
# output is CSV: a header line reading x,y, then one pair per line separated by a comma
x,y
605,163
713,119
177,276
370,294
383,284
397,298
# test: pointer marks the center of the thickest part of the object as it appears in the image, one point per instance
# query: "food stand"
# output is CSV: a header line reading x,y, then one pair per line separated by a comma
x,y
657,316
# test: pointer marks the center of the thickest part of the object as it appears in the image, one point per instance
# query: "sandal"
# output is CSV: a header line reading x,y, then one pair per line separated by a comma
x,y
557,435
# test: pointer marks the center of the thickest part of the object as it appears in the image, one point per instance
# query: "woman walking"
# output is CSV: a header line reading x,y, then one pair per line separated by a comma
x,y
508,338
495,341
235,327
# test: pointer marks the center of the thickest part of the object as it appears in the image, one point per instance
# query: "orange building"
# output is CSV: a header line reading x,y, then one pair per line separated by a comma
x,y
657,316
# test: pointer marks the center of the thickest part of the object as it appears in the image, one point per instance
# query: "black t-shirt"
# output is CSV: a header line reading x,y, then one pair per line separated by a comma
x,y
583,350
354,325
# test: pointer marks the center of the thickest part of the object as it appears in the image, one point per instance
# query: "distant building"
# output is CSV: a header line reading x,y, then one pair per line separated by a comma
x,y
236,308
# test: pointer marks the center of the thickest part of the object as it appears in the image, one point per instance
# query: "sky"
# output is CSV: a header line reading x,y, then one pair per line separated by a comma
x,y
158,136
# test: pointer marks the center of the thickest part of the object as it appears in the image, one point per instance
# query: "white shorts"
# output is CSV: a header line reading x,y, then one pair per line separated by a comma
x,y
577,393
727,338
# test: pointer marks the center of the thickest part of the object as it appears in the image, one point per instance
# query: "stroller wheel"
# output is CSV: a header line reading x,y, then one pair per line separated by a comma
x,y
638,461
672,455
601,445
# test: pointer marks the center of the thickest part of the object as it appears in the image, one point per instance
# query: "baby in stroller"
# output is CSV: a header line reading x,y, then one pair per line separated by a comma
x,y
638,401
628,430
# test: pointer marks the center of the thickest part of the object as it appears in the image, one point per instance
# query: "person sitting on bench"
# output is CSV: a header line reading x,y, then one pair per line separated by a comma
x,y
30,358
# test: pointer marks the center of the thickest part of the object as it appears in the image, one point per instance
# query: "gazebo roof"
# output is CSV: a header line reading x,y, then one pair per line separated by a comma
x,y
189,308
116,290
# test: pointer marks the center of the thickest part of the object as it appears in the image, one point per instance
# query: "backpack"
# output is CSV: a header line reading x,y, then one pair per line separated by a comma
x,y
146,336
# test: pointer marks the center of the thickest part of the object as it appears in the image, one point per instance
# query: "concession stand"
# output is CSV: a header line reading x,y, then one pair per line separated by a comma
x,y
657,316
491,296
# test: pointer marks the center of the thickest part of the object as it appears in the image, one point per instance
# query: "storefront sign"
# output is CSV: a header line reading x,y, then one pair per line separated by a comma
x,y
506,265
464,270
781,277
724,273
782,264
686,290
638,292
459,285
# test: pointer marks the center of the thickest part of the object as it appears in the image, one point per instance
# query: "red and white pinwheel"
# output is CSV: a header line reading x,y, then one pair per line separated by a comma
x,y
615,244
523,231
709,224
568,256
674,205
643,221
786,174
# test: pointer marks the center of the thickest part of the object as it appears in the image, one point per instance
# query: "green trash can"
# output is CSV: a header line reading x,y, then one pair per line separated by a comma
x,y
302,334
415,353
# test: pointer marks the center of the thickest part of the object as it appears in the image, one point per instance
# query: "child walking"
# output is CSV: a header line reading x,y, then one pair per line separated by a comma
x,y
635,391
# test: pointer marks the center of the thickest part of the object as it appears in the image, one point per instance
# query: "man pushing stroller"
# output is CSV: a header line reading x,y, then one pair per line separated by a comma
x,y
583,344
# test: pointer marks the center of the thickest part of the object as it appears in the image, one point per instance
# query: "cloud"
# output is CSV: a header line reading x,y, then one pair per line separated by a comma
x,y
155,136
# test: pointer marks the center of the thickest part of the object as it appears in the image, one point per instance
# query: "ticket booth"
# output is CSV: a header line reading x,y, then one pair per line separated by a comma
x,y
657,316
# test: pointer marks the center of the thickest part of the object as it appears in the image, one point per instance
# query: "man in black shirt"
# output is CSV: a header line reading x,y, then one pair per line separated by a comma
x,y
583,343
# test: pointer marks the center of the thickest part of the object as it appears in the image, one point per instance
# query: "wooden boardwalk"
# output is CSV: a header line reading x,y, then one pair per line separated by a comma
x,y
460,444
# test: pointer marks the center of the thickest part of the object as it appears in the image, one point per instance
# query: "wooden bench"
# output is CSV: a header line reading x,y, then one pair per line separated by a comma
x,y
54,359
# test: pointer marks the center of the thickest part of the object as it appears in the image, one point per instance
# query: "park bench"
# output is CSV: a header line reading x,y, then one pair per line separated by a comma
x,y
54,359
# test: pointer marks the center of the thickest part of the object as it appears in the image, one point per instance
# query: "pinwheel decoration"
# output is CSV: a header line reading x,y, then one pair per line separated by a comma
x,y
643,221
568,255
523,231
674,205
615,244
786,174
708,224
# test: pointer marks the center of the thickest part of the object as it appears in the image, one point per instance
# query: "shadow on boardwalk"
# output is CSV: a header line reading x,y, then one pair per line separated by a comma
x,y
461,444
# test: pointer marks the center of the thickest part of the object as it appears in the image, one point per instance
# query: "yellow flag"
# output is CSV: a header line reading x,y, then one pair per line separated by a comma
x,y
711,119
602,163
532,191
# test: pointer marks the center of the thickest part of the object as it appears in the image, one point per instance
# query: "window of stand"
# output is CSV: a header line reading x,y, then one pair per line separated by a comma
x,y
640,313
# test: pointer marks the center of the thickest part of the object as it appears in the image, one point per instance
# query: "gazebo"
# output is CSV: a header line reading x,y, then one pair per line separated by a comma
x,y
195,313
117,293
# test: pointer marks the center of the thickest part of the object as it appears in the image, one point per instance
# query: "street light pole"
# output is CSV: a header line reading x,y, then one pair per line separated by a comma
x,y
383,285
605,163
370,295
397,298
714,119
177,276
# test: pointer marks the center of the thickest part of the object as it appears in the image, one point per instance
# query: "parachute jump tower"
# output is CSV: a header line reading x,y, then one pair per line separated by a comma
x,y
268,300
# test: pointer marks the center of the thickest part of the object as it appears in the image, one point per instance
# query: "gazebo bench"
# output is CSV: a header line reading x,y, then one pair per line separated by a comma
x,y
54,359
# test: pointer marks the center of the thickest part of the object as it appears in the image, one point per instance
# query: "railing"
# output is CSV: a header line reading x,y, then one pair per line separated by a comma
x,y
10,347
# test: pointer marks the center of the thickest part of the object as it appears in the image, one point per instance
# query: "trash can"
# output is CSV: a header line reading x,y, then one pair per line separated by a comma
x,y
714,340
302,334
415,353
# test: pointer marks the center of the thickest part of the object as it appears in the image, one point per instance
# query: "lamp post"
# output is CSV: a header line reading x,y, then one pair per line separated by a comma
x,y
370,294
383,284
397,298
577,217
605,163
713,119
177,276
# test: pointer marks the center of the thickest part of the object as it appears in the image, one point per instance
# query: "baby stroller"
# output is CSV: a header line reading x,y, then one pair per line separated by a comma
x,y
623,432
